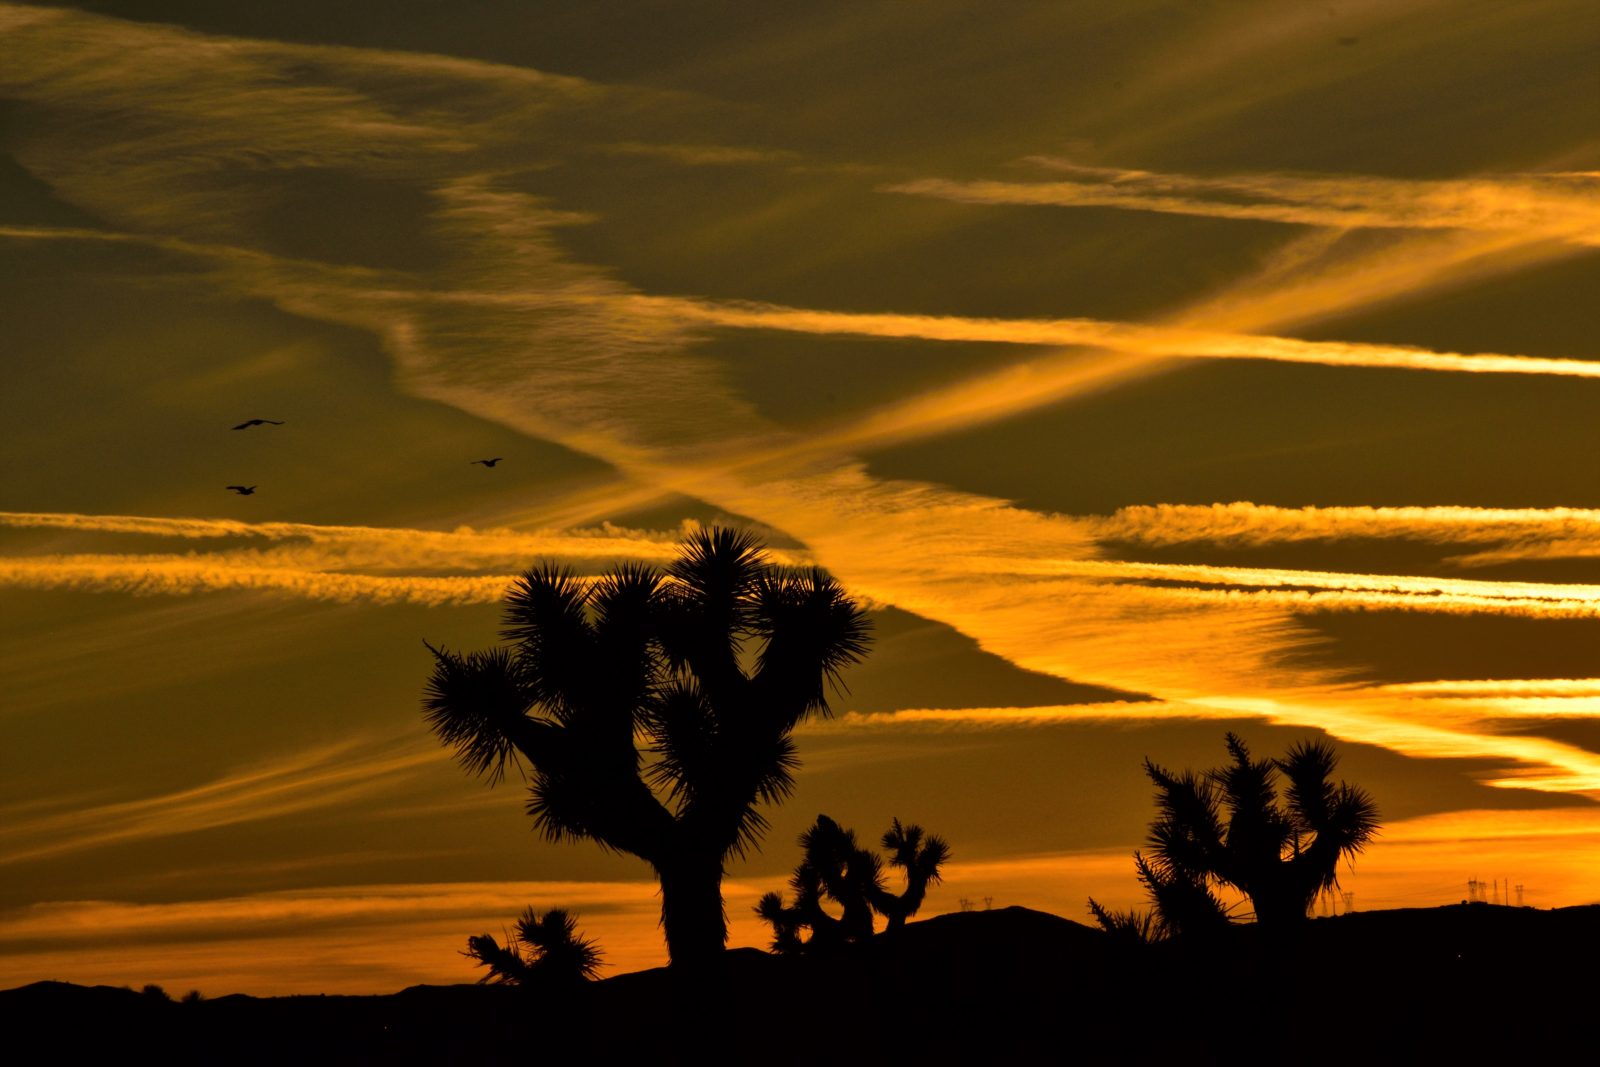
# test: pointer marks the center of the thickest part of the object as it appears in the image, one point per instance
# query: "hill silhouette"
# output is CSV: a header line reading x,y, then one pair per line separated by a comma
x,y
1410,985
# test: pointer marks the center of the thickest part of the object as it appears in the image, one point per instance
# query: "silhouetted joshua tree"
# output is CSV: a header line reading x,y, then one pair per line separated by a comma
x,y
920,858
543,951
837,869
833,867
1228,827
652,711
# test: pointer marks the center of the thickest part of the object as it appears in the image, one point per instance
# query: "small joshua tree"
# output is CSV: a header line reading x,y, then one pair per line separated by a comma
x,y
833,867
837,869
544,950
921,858
1228,827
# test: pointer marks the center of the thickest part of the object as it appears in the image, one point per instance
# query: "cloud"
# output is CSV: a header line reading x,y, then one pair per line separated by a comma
x,y
1501,687
1556,206
328,563
318,778
509,327
352,939
1337,590
1002,718
1415,725
1153,341
701,155
1490,699
1244,523
397,546
1518,534
177,575
1530,550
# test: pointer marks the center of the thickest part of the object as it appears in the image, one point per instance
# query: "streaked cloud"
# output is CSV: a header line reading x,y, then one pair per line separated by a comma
x,y
150,574
1517,534
1529,550
1410,592
314,779
1501,687
351,938
1244,523
412,547
1530,698
1153,341
701,155
1000,718
328,563
363,938
1413,725
1555,206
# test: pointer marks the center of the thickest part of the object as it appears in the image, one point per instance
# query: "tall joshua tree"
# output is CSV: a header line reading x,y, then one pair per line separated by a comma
x,y
652,712
1228,827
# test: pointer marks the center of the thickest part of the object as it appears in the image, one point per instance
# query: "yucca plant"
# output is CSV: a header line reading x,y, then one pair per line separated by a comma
x,y
1132,926
543,950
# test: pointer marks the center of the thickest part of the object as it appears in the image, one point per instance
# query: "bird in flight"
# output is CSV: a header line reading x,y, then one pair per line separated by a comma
x,y
242,490
487,462
257,422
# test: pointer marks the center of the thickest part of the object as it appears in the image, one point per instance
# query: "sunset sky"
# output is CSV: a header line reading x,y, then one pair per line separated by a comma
x,y
1152,368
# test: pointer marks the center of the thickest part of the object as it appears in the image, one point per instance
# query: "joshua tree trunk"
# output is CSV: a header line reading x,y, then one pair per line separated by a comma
x,y
1280,907
692,914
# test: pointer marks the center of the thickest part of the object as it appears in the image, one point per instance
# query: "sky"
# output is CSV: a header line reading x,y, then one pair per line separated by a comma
x,y
1151,369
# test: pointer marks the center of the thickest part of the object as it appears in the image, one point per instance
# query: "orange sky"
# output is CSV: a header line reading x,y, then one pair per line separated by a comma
x,y
1152,370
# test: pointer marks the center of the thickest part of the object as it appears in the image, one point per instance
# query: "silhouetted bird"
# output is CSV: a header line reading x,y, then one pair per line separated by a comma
x,y
257,422
488,462
242,490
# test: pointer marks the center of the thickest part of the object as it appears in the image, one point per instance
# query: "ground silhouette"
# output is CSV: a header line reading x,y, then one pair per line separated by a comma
x,y
653,711
1003,986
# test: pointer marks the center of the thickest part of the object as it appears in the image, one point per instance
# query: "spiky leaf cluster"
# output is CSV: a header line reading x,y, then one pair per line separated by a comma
x,y
542,950
1132,926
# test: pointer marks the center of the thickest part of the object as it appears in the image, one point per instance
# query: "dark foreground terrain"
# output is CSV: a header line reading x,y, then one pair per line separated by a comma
x,y
1007,986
